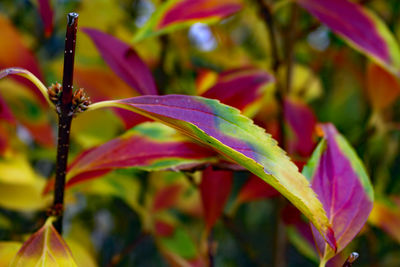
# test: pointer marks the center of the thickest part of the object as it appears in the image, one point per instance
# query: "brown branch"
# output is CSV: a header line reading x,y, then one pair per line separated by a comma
x,y
65,114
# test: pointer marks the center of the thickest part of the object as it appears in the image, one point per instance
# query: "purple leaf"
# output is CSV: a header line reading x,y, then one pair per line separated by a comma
x,y
359,27
124,61
338,177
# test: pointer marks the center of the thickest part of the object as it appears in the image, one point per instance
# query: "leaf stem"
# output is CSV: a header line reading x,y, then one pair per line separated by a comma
x,y
65,115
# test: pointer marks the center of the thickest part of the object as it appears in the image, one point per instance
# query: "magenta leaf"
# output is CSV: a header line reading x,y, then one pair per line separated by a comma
x,y
359,27
338,177
240,87
124,61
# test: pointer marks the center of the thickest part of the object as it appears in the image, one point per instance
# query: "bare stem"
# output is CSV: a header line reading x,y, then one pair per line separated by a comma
x,y
65,114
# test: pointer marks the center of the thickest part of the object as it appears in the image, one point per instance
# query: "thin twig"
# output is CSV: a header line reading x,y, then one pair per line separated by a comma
x,y
290,45
65,114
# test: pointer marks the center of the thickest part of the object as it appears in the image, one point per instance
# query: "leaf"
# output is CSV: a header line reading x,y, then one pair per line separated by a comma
x,y
302,243
28,111
167,197
179,243
13,52
255,189
82,256
386,215
44,248
240,87
223,128
98,81
361,28
215,188
47,14
124,61
148,146
178,14
27,75
338,177
20,187
301,121
383,88
6,113
8,249
116,184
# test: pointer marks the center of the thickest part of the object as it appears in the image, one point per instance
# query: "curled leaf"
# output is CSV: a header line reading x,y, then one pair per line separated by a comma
x,y
225,130
28,75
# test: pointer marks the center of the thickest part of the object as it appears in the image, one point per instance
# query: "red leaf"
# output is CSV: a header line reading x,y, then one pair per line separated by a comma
x,y
13,52
383,87
5,112
239,87
163,229
215,188
167,197
46,13
255,189
98,82
301,121
124,61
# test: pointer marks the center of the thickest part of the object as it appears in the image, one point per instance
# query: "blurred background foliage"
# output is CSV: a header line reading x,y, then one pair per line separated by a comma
x,y
115,220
